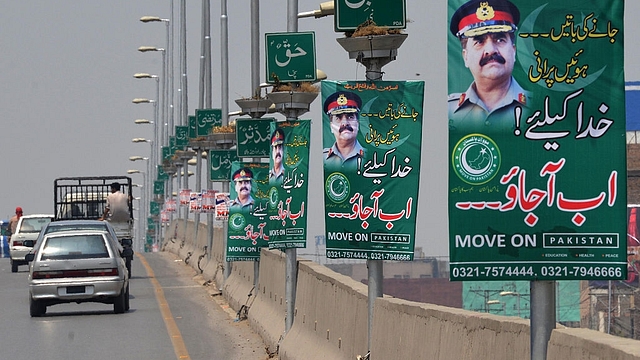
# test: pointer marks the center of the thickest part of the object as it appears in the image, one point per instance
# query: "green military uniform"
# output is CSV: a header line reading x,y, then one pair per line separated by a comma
x,y
467,113
334,161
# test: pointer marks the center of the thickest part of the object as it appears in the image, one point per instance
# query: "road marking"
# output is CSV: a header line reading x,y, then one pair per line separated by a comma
x,y
174,333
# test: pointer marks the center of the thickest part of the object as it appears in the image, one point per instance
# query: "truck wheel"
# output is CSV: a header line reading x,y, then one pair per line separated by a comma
x,y
14,266
128,264
126,300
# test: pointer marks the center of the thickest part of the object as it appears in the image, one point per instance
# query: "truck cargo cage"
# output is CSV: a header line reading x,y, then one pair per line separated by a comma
x,y
86,197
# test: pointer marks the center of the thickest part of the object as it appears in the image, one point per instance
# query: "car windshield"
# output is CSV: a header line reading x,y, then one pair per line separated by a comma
x,y
85,246
33,225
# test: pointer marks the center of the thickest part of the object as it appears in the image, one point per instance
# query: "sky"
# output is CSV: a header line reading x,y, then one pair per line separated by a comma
x,y
67,85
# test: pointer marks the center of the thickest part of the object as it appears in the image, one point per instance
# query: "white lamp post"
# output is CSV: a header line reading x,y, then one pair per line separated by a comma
x,y
154,150
167,82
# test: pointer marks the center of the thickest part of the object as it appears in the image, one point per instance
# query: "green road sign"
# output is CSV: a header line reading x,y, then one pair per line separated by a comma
x,y
158,187
253,137
182,136
162,175
221,164
154,208
192,127
173,145
207,119
351,13
291,57
166,153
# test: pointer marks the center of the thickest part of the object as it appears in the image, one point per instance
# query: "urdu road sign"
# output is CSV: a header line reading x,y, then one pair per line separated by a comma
x,y
291,56
349,14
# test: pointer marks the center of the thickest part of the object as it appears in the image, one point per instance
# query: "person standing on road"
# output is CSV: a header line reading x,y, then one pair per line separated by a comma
x,y
13,222
117,209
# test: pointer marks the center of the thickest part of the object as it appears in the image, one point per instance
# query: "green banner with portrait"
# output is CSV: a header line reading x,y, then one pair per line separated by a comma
x,y
288,183
372,137
248,226
537,151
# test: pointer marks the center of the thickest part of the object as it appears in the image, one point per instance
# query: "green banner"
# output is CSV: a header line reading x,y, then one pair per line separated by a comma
x,y
206,119
372,135
537,152
221,161
289,170
247,231
253,137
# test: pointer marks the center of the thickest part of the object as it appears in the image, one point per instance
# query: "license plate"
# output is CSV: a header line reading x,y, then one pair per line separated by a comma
x,y
75,289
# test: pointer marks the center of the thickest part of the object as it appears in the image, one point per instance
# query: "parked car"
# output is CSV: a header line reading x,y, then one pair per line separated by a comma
x,y
77,266
28,228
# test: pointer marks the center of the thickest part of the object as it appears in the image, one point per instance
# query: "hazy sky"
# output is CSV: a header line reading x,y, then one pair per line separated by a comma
x,y
67,83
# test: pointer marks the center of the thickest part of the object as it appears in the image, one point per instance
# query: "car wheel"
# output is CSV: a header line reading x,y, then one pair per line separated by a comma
x,y
126,300
14,266
119,302
36,308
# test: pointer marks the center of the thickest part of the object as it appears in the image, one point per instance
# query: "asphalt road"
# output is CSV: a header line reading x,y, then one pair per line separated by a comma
x,y
173,315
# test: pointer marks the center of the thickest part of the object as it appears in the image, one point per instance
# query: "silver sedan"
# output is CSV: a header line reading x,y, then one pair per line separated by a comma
x,y
77,266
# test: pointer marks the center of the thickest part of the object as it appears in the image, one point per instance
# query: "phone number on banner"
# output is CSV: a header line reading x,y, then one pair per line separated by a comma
x,y
581,271
365,255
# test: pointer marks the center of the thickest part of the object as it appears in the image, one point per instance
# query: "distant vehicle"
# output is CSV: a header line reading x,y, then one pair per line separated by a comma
x,y
86,197
4,235
77,266
28,228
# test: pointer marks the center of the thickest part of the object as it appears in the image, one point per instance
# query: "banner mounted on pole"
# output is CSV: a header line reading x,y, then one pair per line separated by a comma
x,y
372,137
537,151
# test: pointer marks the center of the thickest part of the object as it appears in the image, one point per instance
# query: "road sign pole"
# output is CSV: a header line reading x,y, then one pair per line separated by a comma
x,y
543,317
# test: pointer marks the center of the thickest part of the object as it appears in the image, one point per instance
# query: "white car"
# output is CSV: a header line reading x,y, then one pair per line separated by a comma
x,y
28,228
77,266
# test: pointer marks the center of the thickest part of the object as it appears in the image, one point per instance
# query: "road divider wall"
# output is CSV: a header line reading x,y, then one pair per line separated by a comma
x,y
331,314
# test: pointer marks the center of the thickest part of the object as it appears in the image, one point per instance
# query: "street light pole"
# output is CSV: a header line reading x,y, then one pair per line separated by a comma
x,y
167,106
158,121
154,152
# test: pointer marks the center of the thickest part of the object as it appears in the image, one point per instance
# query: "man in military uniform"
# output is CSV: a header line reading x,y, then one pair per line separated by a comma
x,y
343,108
276,173
486,29
244,200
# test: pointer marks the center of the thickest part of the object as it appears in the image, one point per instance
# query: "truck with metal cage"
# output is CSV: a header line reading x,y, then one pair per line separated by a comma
x,y
77,198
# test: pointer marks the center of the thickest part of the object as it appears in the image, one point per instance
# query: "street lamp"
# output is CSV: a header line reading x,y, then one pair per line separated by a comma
x,y
496,302
165,107
167,73
513,293
156,132
189,173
